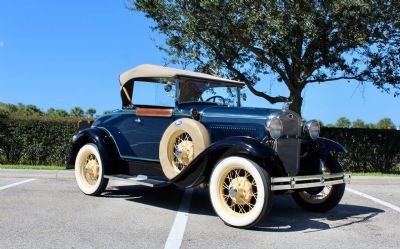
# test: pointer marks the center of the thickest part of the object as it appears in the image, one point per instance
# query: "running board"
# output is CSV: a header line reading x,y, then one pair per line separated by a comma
x,y
140,180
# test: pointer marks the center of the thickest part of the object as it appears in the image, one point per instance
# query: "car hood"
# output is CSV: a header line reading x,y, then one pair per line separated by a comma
x,y
237,115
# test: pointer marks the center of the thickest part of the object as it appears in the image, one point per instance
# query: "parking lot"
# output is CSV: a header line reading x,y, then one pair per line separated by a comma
x,y
45,209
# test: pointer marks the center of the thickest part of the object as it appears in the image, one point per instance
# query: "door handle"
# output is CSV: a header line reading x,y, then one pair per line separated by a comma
x,y
138,120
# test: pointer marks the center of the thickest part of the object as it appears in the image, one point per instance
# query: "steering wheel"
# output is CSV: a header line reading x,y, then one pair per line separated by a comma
x,y
213,98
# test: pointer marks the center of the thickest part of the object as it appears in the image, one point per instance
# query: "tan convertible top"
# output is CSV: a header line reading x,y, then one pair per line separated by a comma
x,y
148,71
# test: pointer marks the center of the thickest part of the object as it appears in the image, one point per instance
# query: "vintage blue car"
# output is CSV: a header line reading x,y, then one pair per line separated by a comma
x,y
181,128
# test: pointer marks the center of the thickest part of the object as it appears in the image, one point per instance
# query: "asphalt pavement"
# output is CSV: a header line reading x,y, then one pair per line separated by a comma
x,y
49,211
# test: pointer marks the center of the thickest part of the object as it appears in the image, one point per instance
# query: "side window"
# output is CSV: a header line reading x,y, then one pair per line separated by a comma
x,y
154,94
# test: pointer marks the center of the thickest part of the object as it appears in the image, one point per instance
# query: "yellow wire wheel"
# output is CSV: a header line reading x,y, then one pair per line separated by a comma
x,y
180,144
89,170
240,191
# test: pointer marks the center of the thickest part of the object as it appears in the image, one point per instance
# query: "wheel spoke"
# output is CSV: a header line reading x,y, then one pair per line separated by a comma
x,y
237,173
226,186
241,209
244,198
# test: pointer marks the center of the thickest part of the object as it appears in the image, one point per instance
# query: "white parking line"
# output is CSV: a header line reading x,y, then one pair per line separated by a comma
x,y
16,183
178,228
384,203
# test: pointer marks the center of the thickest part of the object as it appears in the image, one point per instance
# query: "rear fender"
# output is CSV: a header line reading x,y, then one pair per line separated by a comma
x,y
201,167
105,144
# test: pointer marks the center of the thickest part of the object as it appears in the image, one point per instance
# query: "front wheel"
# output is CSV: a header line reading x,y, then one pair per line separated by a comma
x,y
240,191
320,200
89,172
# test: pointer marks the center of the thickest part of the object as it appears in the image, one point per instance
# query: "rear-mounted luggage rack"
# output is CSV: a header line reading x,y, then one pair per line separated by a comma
x,y
311,181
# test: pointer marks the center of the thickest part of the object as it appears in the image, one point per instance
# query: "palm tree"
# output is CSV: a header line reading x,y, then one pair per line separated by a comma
x,y
77,112
91,112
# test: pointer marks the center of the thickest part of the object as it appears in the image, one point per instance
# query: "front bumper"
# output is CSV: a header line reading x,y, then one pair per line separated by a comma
x,y
312,181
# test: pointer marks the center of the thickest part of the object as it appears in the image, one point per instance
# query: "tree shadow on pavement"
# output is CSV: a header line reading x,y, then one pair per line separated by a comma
x,y
285,215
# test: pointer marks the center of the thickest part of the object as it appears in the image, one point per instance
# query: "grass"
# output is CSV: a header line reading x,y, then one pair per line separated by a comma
x,y
374,174
41,167
8,166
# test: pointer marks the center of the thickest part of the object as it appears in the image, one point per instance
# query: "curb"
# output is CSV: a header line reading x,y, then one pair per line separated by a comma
x,y
29,173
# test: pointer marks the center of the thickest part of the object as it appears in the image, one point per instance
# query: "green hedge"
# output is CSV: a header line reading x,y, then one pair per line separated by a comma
x,y
369,150
35,140
46,141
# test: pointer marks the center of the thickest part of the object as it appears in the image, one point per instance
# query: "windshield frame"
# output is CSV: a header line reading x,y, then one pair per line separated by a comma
x,y
202,81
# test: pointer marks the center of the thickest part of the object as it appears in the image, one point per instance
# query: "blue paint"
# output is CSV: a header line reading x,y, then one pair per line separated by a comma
x,y
142,140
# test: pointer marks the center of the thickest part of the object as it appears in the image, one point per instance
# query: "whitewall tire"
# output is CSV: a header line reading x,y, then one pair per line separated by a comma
x,y
89,170
240,191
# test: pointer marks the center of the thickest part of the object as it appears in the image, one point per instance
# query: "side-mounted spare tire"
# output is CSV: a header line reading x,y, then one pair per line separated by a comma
x,y
182,142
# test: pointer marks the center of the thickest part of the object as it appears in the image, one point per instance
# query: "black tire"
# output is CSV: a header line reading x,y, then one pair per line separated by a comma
x,y
336,194
260,182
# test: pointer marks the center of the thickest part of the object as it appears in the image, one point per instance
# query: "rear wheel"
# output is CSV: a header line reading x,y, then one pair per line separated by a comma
x,y
240,191
89,171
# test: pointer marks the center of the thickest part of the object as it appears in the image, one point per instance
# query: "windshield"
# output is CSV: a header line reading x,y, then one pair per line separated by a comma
x,y
191,90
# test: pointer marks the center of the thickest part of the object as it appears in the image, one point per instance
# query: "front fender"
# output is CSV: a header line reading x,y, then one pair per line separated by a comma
x,y
105,144
326,145
201,167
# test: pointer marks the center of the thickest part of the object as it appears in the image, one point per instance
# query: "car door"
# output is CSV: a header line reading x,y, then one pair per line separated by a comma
x,y
148,126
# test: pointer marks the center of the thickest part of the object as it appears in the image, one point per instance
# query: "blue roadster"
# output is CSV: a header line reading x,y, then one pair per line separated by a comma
x,y
181,128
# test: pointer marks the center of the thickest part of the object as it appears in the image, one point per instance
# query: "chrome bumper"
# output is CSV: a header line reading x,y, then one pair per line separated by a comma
x,y
300,182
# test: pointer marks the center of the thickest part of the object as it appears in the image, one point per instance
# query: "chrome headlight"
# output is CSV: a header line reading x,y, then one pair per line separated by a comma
x,y
274,127
311,128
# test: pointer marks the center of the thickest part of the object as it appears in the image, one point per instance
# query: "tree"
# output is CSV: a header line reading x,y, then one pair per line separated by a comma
x,y
358,123
51,111
57,112
8,108
298,42
91,112
385,123
77,112
61,113
343,123
30,110
106,112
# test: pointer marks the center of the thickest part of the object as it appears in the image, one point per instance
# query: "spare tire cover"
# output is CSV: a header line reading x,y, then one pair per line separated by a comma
x,y
181,142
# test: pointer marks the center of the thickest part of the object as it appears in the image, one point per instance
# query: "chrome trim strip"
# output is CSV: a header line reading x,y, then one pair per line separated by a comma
x,y
299,182
140,159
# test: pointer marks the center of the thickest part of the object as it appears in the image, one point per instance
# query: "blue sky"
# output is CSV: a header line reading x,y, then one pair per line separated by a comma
x,y
63,54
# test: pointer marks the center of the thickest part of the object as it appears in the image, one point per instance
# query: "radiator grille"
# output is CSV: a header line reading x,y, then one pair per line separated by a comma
x,y
288,146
